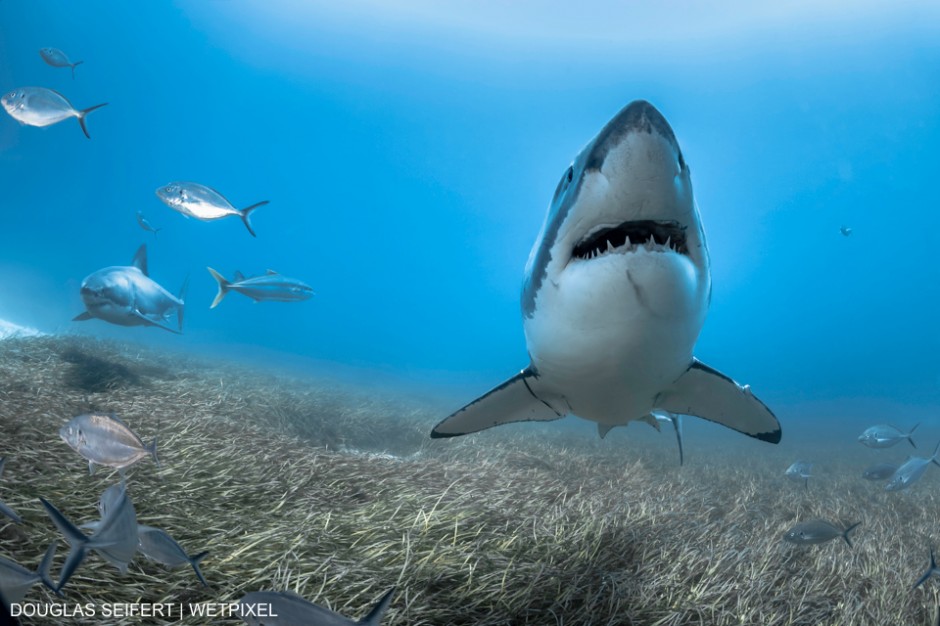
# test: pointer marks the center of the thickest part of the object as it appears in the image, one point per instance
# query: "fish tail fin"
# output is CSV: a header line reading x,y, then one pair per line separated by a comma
x,y
375,615
910,435
74,536
194,561
152,449
845,533
74,65
247,211
44,570
84,112
182,305
931,570
223,287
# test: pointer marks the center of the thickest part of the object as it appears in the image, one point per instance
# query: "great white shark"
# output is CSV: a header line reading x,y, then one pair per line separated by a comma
x,y
126,295
615,294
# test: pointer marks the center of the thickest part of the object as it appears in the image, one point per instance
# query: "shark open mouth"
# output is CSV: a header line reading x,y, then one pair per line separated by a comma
x,y
654,235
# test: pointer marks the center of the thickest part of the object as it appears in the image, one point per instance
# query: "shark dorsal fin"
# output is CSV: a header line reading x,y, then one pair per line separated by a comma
x,y
140,259
271,273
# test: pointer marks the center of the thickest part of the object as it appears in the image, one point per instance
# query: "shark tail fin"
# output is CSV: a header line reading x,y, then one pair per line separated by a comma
x,y
194,561
84,112
516,400
246,212
223,287
76,538
74,65
845,533
375,615
707,393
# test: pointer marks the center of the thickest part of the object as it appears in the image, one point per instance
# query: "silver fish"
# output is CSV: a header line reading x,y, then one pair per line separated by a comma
x,y
157,545
845,230
881,471
16,580
4,509
106,440
800,471
127,296
817,531
57,58
115,538
911,471
145,224
38,106
203,203
292,610
885,436
270,286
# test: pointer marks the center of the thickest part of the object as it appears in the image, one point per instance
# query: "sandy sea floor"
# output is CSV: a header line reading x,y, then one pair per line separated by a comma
x,y
338,494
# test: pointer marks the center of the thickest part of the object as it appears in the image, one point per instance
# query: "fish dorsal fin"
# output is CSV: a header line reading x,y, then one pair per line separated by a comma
x,y
271,273
140,259
239,276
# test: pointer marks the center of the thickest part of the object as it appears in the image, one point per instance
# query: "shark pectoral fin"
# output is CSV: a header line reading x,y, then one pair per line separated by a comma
x,y
516,400
82,317
150,322
709,394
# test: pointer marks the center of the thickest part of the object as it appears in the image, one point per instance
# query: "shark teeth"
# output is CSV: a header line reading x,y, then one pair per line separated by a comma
x,y
648,235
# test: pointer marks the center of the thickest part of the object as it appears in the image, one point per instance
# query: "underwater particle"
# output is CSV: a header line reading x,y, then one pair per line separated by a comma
x,y
114,539
157,545
800,470
885,436
57,58
38,106
622,223
817,531
845,230
292,610
16,580
125,295
145,224
931,570
4,509
269,286
106,440
911,471
203,203
880,471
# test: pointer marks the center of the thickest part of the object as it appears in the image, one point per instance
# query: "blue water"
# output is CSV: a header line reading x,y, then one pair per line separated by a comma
x,y
409,155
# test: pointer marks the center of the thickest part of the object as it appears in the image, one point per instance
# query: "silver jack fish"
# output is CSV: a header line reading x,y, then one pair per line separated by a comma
x,y
57,58
885,436
203,203
115,538
145,224
16,580
270,286
911,471
800,471
817,531
38,106
127,296
880,471
106,440
157,545
292,610
615,295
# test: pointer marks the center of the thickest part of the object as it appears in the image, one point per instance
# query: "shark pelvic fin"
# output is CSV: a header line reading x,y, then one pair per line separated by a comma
x,y
84,316
516,400
709,394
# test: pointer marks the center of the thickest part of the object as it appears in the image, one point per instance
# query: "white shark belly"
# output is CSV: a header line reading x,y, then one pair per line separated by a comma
x,y
615,332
